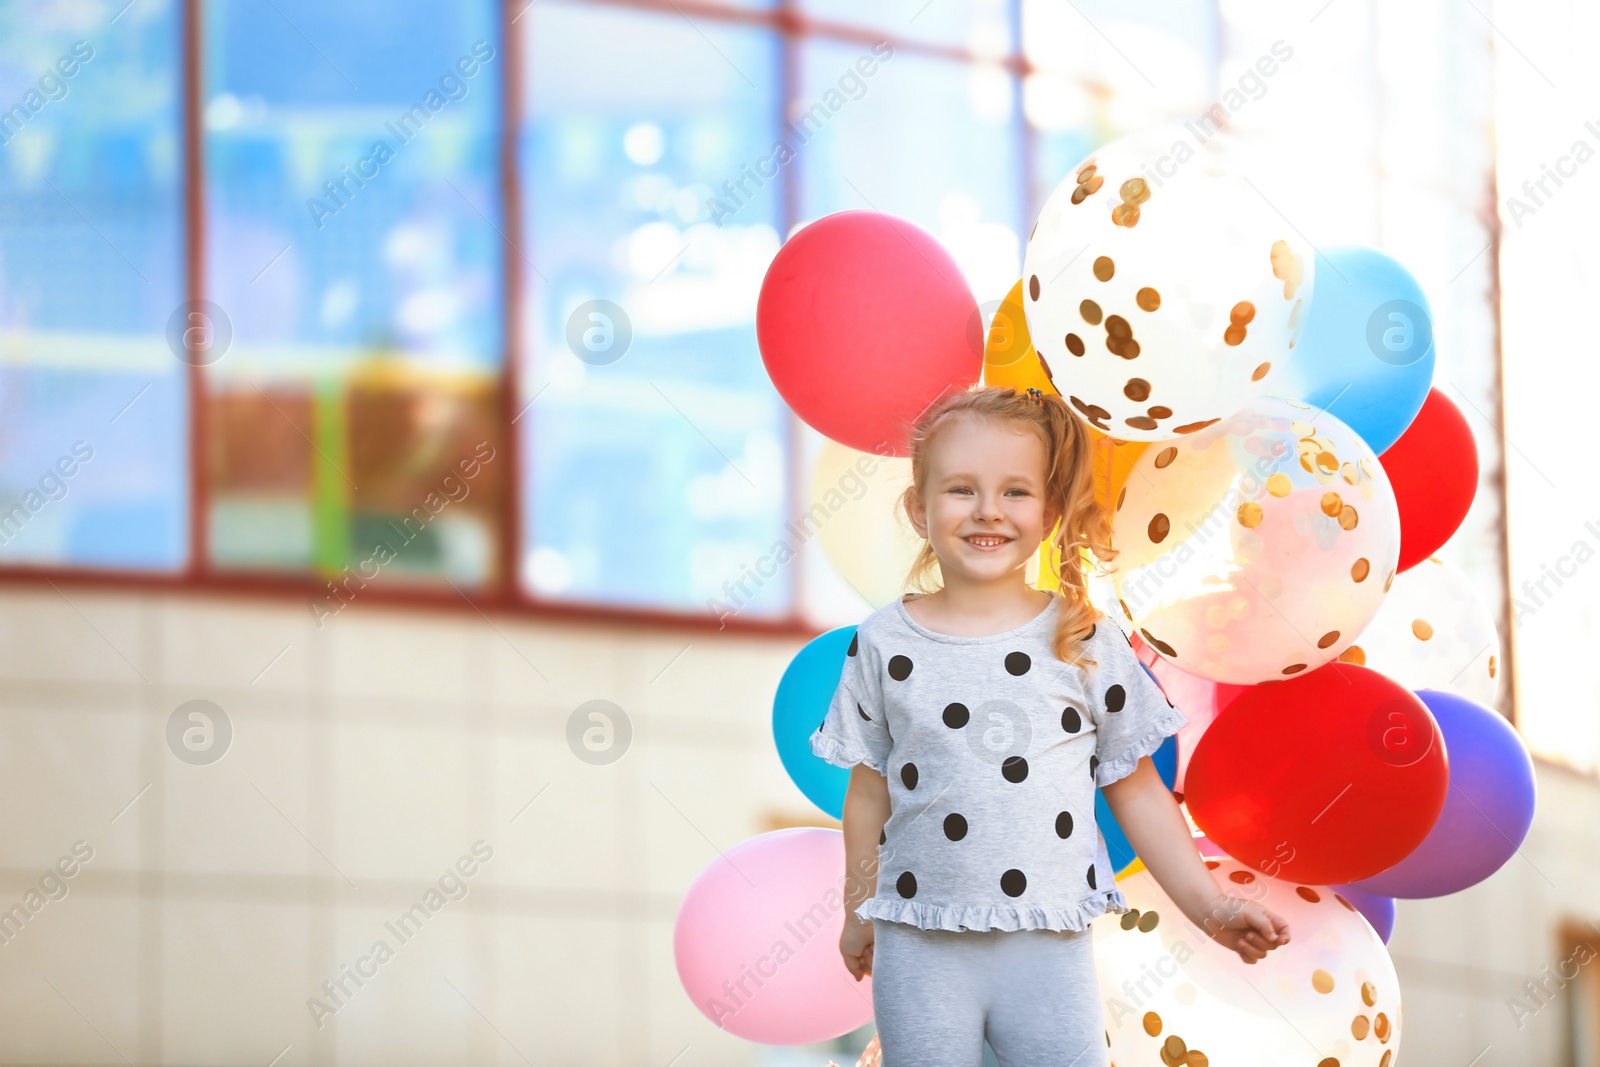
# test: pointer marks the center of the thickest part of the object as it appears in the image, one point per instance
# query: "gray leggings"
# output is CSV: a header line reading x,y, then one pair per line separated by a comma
x,y
939,994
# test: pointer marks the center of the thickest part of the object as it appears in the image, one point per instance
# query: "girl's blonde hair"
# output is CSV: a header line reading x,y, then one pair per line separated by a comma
x,y
1069,489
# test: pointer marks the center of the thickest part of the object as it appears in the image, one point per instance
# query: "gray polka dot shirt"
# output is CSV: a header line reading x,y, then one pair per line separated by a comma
x,y
992,748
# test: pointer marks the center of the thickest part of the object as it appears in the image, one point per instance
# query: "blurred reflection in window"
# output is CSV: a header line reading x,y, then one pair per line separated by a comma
x,y
653,441
93,405
353,241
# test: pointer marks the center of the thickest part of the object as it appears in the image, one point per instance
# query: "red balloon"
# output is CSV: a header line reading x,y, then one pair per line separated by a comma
x,y
1434,470
863,321
1326,778
1200,699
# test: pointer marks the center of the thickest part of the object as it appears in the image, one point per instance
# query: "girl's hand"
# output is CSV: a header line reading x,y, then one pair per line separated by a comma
x,y
1245,927
855,945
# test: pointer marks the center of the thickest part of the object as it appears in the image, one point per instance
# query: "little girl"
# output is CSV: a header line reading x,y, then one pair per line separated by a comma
x,y
978,719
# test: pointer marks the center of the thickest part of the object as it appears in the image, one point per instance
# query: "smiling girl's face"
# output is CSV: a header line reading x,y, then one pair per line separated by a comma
x,y
982,509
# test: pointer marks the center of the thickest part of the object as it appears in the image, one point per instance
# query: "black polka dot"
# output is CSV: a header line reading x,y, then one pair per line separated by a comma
x,y
1071,721
854,639
1091,878
1094,765
883,837
1064,825
1116,696
1015,768
899,668
1013,882
1018,663
860,711
955,826
956,716
908,775
907,883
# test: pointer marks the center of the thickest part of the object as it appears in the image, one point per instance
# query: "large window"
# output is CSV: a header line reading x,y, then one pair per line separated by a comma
x,y
480,278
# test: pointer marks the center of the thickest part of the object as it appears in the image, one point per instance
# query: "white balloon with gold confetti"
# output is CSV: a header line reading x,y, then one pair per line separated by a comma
x,y
1257,548
1170,995
1433,633
1161,291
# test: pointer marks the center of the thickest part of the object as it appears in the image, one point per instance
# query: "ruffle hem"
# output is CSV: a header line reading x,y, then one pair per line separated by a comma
x,y
980,917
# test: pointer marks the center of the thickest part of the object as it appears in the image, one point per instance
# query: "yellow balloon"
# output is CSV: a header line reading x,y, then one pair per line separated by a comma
x,y
1131,869
865,535
1008,356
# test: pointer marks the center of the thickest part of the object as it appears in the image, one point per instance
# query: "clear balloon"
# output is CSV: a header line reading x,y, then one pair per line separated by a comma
x,y
1162,292
1433,633
1168,991
1258,548
865,536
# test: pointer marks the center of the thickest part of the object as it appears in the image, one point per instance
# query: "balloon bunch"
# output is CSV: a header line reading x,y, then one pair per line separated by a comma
x,y
1279,472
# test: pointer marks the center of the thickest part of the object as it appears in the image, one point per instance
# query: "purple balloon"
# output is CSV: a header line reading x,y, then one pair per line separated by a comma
x,y
1379,911
1486,813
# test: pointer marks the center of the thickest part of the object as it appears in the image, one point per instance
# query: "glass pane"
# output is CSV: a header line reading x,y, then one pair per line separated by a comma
x,y
654,442
93,405
354,247
930,140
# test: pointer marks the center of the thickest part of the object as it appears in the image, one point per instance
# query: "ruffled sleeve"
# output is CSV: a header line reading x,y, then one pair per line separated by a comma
x,y
1132,714
855,729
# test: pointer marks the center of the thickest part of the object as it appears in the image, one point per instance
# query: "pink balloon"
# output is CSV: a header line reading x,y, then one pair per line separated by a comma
x,y
757,941
863,321
1201,699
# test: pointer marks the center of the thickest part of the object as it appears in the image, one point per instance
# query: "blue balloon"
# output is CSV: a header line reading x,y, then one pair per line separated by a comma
x,y
804,694
1378,910
1365,353
1121,852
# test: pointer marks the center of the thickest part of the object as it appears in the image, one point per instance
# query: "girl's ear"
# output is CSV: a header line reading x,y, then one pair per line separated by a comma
x,y
916,512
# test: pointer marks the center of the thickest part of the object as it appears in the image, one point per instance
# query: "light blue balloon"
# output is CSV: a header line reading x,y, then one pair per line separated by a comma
x,y
1117,847
804,694
1365,353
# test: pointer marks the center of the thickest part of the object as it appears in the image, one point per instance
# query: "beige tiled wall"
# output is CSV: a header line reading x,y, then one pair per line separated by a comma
x,y
374,752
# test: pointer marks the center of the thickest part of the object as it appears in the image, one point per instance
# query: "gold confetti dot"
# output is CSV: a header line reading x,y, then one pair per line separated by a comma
x,y
1192,427
1136,389
1090,312
1307,893
1104,268
1360,569
1321,981
1122,494
1422,629
1135,191
1117,326
1287,268
1260,372
1148,921
1329,1061
1196,1058
1242,313
1173,1050
1086,171
1331,504
1080,194
1159,412
1359,1027
1092,184
1233,335
1130,918
1125,215
1294,668
1388,582
1350,473
1166,456
1352,907
1152,1023
1280,485
1328,461
1380,1027
1387,1053
1328,638
1074,344
1141,422
1354,654
1159,645
1147,299
1250,514
1302,428
1348,518
1213,864
1242,877
1491,666
1159,527
1124,605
